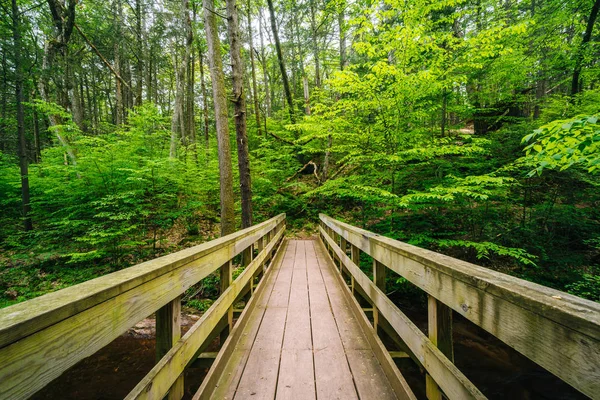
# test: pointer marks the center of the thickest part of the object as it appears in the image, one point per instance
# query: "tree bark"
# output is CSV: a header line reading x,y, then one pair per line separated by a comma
x,y
253,69
117,50
220,102
263,63
239,102
204,101
575,83
22,143
315,43
284,77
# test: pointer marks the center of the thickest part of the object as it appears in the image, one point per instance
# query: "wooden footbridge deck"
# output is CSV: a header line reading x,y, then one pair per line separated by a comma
x,y
302,320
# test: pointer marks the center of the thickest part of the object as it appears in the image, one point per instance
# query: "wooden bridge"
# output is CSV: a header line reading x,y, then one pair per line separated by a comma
x,y
312,323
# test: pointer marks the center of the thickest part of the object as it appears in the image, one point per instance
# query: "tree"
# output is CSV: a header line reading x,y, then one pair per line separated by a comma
x,y
284,77
22,146
221,117
239,102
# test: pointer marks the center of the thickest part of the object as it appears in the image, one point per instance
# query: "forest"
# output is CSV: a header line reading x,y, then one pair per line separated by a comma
x,y
132,129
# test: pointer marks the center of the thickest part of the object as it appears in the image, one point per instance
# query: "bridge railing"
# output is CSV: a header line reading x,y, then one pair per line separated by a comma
x,y
43,337
558,331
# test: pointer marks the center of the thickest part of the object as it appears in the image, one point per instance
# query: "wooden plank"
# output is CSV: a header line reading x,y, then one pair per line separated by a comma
x,y
349,329
225,274
157,382
297,328
24,319
371,382
259,379
532,319
296,375
224,375
452,381
332,373
395,378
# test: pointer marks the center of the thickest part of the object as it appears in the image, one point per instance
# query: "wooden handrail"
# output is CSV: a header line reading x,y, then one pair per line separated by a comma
x,y
558,331
41,338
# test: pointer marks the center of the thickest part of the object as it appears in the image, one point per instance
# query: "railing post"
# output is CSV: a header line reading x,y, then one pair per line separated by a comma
x,y
440,334
225,273
168,332
379,273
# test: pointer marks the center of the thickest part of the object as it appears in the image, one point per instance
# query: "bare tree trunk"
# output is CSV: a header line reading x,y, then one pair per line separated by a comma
x,y
315,43
284,77
253,69
342,29
117,48
575,83
239,102
263,63
22,144
204,101
179,120
220,101
139,69
306,95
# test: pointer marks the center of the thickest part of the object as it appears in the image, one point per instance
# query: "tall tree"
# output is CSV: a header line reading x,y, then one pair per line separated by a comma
x,y
22,143
587,36
284,77
253,70
239,102
220,102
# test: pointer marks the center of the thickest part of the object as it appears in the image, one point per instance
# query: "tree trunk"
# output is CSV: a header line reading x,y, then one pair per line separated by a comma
x,y
179,122
139,69
253,69
284,77
22,144
315,43
263,62
342,29
204,101
117,49
220,101
575,83
239,102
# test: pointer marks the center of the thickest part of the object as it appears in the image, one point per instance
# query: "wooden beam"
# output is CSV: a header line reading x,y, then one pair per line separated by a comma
x,y
533,319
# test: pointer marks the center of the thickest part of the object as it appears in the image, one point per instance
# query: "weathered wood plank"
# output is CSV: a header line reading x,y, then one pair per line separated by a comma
x,y
157,382
296,375
532,319
332,374
397,381
24,319
297,328
259,379
448,377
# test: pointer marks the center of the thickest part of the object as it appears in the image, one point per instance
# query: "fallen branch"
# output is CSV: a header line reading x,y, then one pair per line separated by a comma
x,y
311,162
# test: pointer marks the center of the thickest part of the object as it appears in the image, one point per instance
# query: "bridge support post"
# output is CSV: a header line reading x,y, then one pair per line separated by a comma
x,y
440,334
225,274
168,332
379,274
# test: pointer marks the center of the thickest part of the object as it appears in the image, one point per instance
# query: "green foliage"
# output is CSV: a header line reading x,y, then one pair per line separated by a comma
x,y
201,305
562,144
